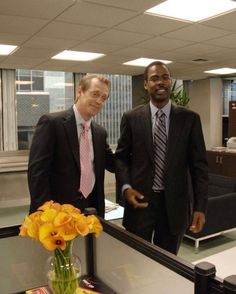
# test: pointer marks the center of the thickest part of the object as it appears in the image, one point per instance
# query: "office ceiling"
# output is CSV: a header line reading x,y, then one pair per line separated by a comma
x,y
117,28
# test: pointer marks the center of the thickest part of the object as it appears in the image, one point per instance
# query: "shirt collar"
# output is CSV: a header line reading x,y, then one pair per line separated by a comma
x,y
165,109
78,118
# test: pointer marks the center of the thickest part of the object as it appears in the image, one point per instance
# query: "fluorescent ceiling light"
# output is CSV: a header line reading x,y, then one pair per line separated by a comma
x,y
222,71
77,55
7,49
192,10
144,61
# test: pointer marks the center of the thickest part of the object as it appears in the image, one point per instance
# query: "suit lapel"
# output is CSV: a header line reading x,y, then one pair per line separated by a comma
x,y
148,131
71,131
174,134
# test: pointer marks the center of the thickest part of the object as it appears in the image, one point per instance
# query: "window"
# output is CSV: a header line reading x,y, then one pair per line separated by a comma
x,y
37,93
229,94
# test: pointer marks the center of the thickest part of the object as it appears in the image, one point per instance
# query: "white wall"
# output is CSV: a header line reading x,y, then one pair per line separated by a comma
x,y
206,99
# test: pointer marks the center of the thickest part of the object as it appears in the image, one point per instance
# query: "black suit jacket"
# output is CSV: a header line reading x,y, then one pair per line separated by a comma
x,y
186,155
54,161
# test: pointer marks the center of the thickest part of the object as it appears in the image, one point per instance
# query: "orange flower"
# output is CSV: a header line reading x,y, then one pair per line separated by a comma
x,y
46,205
30,226
48,215
54,225
61,219
70,209
69,231
81,227
94,225
54,242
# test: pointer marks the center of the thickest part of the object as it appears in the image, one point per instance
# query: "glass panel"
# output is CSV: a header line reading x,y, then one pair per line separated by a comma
x,y
23,262
129,271
37,93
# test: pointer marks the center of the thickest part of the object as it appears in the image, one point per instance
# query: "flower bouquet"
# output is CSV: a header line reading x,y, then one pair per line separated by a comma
x,y
55,226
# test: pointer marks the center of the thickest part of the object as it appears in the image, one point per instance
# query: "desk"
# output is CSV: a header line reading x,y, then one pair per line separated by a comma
x,y
88,285
116,213
224,262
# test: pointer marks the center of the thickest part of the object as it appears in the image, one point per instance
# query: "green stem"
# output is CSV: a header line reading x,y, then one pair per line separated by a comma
x,y
65,281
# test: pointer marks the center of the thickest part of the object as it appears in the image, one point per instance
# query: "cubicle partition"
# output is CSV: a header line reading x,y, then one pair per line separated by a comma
x,y
124,263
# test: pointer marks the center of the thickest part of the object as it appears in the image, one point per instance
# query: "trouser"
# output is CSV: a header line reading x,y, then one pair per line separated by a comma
x,y
153,226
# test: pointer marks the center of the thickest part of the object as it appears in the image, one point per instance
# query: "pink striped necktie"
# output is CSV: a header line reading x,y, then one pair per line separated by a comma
x,y
85,161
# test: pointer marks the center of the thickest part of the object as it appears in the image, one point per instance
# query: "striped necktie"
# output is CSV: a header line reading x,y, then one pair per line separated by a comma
x,y
85,162
159,146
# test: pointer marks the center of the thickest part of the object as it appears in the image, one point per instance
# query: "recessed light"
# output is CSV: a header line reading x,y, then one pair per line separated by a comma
x,y
7,49
77,55
192,10
222,71
144,61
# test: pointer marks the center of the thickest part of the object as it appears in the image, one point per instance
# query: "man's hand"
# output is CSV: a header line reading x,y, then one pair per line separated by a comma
x,y
132,196
198,222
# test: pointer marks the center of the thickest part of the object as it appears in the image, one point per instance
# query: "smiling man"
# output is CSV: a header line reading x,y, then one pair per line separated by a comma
x,y
69,152
160,153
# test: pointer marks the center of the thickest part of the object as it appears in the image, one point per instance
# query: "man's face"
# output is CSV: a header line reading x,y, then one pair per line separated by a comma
x,y
91,101
158,85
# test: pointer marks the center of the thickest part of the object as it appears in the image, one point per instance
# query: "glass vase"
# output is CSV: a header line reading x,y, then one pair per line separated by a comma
x,y
64,271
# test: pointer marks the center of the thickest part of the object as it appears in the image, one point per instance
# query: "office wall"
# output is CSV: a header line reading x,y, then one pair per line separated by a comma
x,y
206,99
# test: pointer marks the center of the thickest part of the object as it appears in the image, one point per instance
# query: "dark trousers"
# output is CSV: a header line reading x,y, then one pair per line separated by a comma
x,y
152,224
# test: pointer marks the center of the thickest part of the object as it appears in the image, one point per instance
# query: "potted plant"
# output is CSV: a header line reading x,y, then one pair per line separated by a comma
x,y
179,95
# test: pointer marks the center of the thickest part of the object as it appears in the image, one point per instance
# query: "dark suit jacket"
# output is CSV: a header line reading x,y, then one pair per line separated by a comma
x,y
54,161
186,155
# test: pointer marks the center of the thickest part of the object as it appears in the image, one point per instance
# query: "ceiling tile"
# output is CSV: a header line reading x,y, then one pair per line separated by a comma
x,y
138,5
119,29
19,62
64,30
96,47
224,42
196,33
13,39
149,24
161,44
94,14
35,52
21,25
225,21
120,37
50,43
40,9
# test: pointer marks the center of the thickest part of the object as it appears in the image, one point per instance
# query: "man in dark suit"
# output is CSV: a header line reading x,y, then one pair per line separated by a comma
x,y
55,168
155,167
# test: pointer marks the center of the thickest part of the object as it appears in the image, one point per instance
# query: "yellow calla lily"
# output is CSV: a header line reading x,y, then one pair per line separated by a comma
x,y
69,208
61,219
29,228
48,215
46,205
94,225
54,225
48,230
69,232
52,243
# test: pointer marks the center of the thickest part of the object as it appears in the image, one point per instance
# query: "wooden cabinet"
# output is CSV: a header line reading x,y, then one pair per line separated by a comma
x,y
222,163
